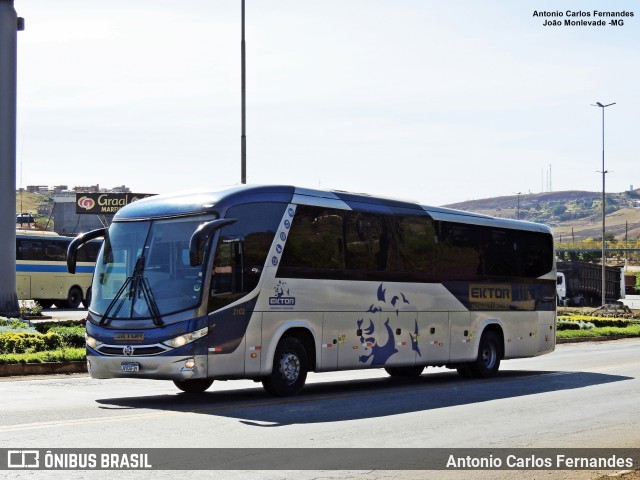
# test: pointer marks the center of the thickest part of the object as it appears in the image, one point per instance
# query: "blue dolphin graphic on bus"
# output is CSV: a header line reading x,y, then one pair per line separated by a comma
x,y
379,353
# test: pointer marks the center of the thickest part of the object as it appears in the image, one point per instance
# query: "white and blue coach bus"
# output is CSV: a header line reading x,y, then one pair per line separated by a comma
x,y
271,282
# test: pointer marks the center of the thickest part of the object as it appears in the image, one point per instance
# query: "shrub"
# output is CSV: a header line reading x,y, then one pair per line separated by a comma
x,y
30,308
26,342
12,323
567,325
52,341
597,321
44,327
586,325
59,355
601,332
14,326
71,336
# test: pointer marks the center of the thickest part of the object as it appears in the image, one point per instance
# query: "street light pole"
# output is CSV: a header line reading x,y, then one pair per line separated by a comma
x,y
243,74
604,172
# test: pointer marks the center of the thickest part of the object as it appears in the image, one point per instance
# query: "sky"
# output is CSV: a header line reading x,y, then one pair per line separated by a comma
x,y
430,100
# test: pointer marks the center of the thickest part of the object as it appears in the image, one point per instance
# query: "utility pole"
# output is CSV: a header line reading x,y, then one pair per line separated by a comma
x,y
10,24
604,213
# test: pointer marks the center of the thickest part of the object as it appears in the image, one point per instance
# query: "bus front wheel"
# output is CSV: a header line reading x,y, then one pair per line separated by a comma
x,y
290,367
87,299
198,385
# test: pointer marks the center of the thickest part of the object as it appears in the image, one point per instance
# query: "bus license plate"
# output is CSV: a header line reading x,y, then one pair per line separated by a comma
x,y
130,367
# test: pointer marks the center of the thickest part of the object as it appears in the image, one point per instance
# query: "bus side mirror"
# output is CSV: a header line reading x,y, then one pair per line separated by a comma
x,y
76,243
200,237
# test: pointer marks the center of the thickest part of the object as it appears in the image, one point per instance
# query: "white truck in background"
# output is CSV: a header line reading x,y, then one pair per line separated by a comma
x,y
580,284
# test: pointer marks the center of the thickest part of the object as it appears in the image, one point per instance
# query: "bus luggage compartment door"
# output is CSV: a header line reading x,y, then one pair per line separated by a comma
x,y
434,338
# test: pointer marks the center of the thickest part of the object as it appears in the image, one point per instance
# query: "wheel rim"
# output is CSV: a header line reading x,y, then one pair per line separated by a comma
x,y
489,356
290,367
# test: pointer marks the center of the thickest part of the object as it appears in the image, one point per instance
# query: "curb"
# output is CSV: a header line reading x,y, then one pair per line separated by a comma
x,y
593,339
49,368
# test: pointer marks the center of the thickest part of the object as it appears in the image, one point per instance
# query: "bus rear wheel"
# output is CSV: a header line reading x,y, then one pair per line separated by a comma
x,y
290,367
406,372
489,353
198,385
74,298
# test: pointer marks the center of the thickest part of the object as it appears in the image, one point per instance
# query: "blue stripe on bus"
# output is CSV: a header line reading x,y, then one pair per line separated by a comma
x,y
51,268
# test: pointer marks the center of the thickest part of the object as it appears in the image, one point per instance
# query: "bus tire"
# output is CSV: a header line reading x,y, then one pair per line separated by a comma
x,y
290,367
74,298
197,385
406,372
465,371
44,302
487,363
86,301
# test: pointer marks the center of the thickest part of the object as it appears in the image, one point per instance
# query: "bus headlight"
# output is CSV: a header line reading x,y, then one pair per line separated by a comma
x,y
92,342
186,338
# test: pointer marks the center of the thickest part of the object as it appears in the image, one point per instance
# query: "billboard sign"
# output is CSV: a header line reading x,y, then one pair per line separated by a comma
x,y
105,203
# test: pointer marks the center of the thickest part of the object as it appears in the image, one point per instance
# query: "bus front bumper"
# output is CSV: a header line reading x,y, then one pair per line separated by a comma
x,y
161,367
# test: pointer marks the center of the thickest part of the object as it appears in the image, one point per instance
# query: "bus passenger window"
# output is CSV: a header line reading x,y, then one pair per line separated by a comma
x,y
315,241
366,242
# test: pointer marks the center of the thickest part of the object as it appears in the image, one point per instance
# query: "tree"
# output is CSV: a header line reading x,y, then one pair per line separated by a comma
x,y
559,210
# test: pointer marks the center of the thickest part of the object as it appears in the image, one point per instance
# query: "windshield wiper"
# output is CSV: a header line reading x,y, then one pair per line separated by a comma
x,y
140,283
134,285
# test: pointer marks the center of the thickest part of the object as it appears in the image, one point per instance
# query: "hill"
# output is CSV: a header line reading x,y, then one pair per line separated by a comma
x,y
572,214
37,204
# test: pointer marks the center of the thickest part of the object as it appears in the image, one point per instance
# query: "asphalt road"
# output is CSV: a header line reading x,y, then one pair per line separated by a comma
x,y
582,395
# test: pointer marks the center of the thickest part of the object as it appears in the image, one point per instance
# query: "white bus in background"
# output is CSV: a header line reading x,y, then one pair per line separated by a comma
x,y
269,283
41,269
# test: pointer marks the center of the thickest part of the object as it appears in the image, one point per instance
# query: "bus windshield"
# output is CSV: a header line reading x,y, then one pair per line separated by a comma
x,y
144,272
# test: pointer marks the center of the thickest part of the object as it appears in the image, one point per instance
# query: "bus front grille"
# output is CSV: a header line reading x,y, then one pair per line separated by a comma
x,y
132,350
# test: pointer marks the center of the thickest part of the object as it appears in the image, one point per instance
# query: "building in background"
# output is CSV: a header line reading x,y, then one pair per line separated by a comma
x,y
67,222
67,210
